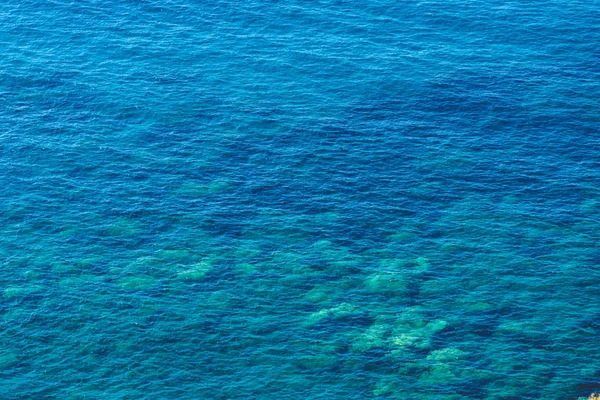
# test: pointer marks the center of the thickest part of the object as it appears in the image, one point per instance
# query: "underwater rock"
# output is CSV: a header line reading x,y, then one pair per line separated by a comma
x,y
13,291
61,268
447,354
589,206
450,246
385,283
89,262
412,316
406,339
532,329
125,227
339,311
479,306
421,264
245,268
384,387
439,374
7,359
174,254
321,294
374,336
196,272
404,236
413,334
322,244
194,189
435,326
476,374
31,275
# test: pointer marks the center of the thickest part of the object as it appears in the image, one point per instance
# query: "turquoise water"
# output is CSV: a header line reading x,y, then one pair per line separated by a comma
x,y
299,200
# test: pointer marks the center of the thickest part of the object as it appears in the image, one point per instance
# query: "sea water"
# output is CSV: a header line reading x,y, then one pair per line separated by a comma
x,y
299,200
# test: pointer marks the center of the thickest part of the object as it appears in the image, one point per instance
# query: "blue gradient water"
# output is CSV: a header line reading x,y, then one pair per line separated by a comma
x,y
299,200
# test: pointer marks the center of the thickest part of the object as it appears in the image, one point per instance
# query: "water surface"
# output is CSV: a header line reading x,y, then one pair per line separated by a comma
x,y
323,200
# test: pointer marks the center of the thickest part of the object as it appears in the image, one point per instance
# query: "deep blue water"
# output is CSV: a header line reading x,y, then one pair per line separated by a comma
x,y
299,200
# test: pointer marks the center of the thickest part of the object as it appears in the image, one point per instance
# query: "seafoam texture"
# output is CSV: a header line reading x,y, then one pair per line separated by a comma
x,y
299,200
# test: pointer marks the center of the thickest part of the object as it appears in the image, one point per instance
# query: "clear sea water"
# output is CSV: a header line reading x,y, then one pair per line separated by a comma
x,y
299,200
